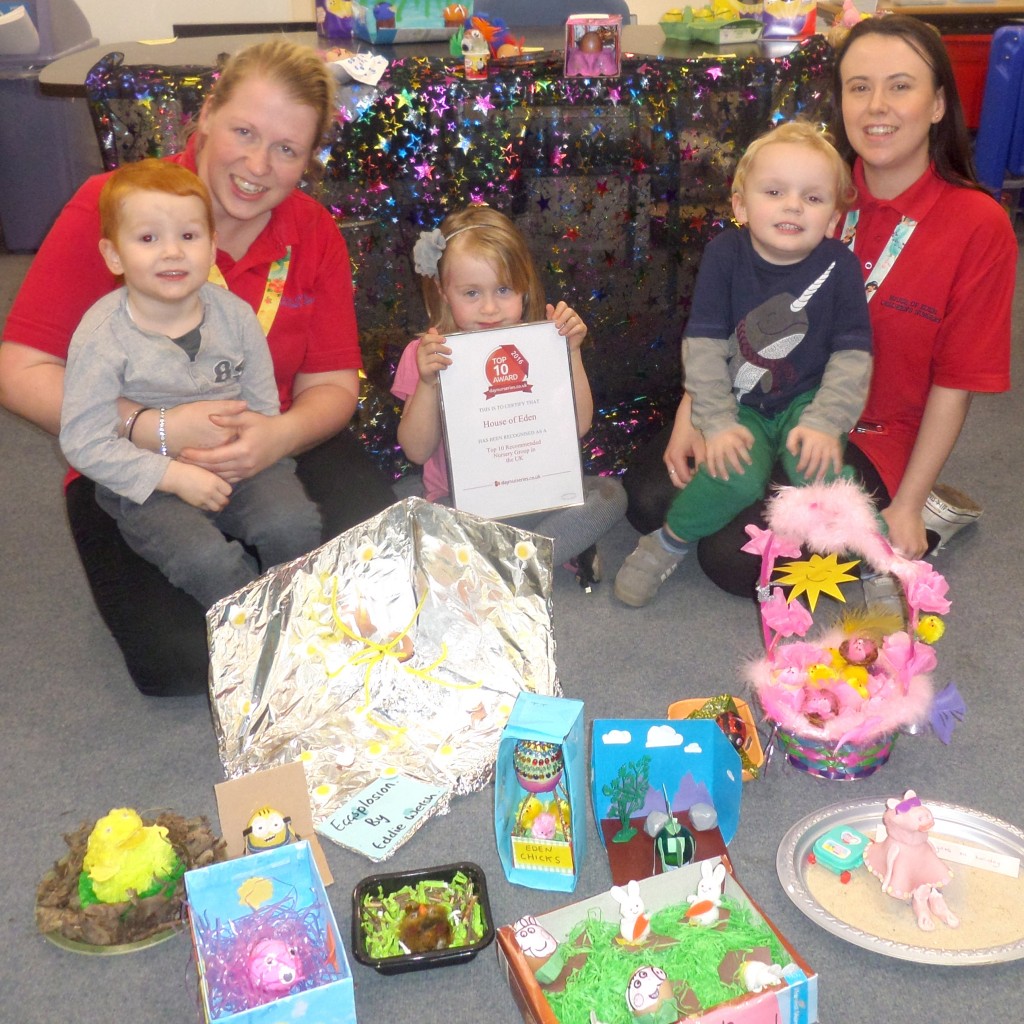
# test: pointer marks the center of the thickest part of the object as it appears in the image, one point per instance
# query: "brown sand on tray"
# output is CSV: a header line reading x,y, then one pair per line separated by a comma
x,y
990,907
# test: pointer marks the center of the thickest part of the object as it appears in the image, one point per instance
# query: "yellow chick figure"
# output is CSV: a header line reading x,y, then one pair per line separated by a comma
x,y
531,807
123,855
930,629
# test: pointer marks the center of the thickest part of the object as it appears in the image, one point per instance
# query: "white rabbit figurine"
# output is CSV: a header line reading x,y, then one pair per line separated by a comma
x,y
634,924
704,903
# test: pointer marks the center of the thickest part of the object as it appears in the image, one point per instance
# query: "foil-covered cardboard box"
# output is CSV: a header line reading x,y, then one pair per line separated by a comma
x,y
396,649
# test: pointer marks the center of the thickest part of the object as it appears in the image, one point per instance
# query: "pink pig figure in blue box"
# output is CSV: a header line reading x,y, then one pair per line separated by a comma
x,y
907,864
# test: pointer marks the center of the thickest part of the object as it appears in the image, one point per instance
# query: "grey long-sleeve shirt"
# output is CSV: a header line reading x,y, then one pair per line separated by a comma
x,y
110,358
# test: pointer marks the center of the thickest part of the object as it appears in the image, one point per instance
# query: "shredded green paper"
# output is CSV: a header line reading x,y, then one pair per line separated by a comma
x,y
382,915
691,960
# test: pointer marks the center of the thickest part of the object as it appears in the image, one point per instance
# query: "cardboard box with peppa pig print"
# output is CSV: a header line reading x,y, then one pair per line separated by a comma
x,y
675,937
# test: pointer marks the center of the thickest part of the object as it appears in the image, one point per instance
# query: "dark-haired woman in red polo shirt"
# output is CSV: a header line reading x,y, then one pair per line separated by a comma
x,y
939,260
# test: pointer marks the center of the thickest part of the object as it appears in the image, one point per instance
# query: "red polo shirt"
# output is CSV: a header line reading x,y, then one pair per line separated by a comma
x,y
315,327
942,313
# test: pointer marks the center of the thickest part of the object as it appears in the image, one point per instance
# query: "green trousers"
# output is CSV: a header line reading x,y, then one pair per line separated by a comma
x,y
706,504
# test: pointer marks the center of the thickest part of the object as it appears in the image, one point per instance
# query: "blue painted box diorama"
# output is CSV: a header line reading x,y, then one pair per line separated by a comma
x,y
540,793
408,21
665,792
267,944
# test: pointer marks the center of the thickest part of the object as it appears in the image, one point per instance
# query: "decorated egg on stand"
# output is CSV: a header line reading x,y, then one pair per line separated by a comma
x,y
538,765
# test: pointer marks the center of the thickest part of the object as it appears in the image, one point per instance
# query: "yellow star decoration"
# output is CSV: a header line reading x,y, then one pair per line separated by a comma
x,y
816,576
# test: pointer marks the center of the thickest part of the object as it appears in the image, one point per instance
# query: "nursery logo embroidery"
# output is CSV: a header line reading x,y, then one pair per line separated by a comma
x,y
506,369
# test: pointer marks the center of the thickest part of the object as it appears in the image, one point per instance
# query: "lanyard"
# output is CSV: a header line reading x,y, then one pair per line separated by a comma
x,y
276,277
897,240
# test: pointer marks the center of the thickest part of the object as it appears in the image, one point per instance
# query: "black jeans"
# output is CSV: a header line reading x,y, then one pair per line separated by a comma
x,y
650,493
162,630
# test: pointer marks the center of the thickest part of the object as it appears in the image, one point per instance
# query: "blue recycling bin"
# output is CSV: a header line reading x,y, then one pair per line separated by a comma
x,y
47,144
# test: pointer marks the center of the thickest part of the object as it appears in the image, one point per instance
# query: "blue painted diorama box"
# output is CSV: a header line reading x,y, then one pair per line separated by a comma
x,y
681,771
265,894
540,786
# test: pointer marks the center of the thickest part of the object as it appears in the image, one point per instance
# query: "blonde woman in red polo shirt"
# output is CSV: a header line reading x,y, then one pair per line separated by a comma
x,y
281,252
939,260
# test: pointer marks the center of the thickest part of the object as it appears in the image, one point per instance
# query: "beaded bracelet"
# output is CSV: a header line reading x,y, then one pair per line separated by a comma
x,y
129,424
161,430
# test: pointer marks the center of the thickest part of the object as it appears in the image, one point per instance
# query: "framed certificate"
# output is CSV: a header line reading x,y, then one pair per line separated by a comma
x,y
509,419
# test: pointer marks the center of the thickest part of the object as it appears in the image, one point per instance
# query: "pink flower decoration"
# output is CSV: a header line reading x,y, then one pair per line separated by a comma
x,y
761,539
784,618
907,658
926,591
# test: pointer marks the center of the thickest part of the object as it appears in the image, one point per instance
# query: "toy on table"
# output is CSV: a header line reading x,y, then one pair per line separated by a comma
x,y
592,46
719,24
839,693
455,15
475,51
267,829
906,862
841,850
124,857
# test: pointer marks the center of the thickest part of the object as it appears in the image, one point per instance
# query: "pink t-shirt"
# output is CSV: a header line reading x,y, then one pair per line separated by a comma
x,y
435,469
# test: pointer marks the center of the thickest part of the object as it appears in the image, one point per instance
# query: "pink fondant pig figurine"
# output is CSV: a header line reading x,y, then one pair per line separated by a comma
x,y
907,864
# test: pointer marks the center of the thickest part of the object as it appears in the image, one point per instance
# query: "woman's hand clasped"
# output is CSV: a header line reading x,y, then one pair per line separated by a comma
x,y
251,442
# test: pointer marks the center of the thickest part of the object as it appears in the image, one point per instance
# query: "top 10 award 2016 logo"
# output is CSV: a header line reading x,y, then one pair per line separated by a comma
x,y
506,370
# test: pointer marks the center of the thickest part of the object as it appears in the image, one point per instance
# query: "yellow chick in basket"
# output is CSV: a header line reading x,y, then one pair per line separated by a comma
x,y
123,855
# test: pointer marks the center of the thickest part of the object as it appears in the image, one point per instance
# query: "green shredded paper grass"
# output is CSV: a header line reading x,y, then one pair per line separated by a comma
x,y
693,960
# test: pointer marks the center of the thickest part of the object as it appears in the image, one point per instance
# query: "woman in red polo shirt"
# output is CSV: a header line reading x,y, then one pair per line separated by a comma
x,y
279,250
939,259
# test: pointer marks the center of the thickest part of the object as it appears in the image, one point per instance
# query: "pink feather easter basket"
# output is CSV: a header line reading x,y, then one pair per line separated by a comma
x,y
840,685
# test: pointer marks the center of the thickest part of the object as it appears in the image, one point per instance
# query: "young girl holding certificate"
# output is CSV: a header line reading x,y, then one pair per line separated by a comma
x,y
478,274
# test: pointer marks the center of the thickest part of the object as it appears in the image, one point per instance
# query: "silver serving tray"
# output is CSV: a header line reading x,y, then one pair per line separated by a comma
x,y
950,820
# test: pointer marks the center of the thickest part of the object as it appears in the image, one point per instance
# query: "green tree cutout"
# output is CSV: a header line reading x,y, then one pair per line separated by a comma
x,y
627,792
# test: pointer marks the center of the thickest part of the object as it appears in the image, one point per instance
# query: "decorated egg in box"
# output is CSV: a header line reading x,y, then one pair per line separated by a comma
x,y
538,765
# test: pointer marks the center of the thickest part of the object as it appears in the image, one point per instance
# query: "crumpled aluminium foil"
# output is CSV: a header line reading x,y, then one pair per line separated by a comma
x,y
399,647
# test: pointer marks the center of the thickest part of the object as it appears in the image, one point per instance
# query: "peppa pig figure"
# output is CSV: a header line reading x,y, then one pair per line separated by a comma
x,y
907,864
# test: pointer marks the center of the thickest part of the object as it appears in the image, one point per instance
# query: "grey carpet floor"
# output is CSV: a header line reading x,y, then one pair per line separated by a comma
x,y
76,739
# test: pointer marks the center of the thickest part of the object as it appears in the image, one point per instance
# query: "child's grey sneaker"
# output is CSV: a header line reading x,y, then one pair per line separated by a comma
x,y
644,571
947,511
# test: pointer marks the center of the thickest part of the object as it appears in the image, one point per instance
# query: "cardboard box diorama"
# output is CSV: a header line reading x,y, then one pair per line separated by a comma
x,y
664,792
266,941
407,21
540,790
593,45
733,965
